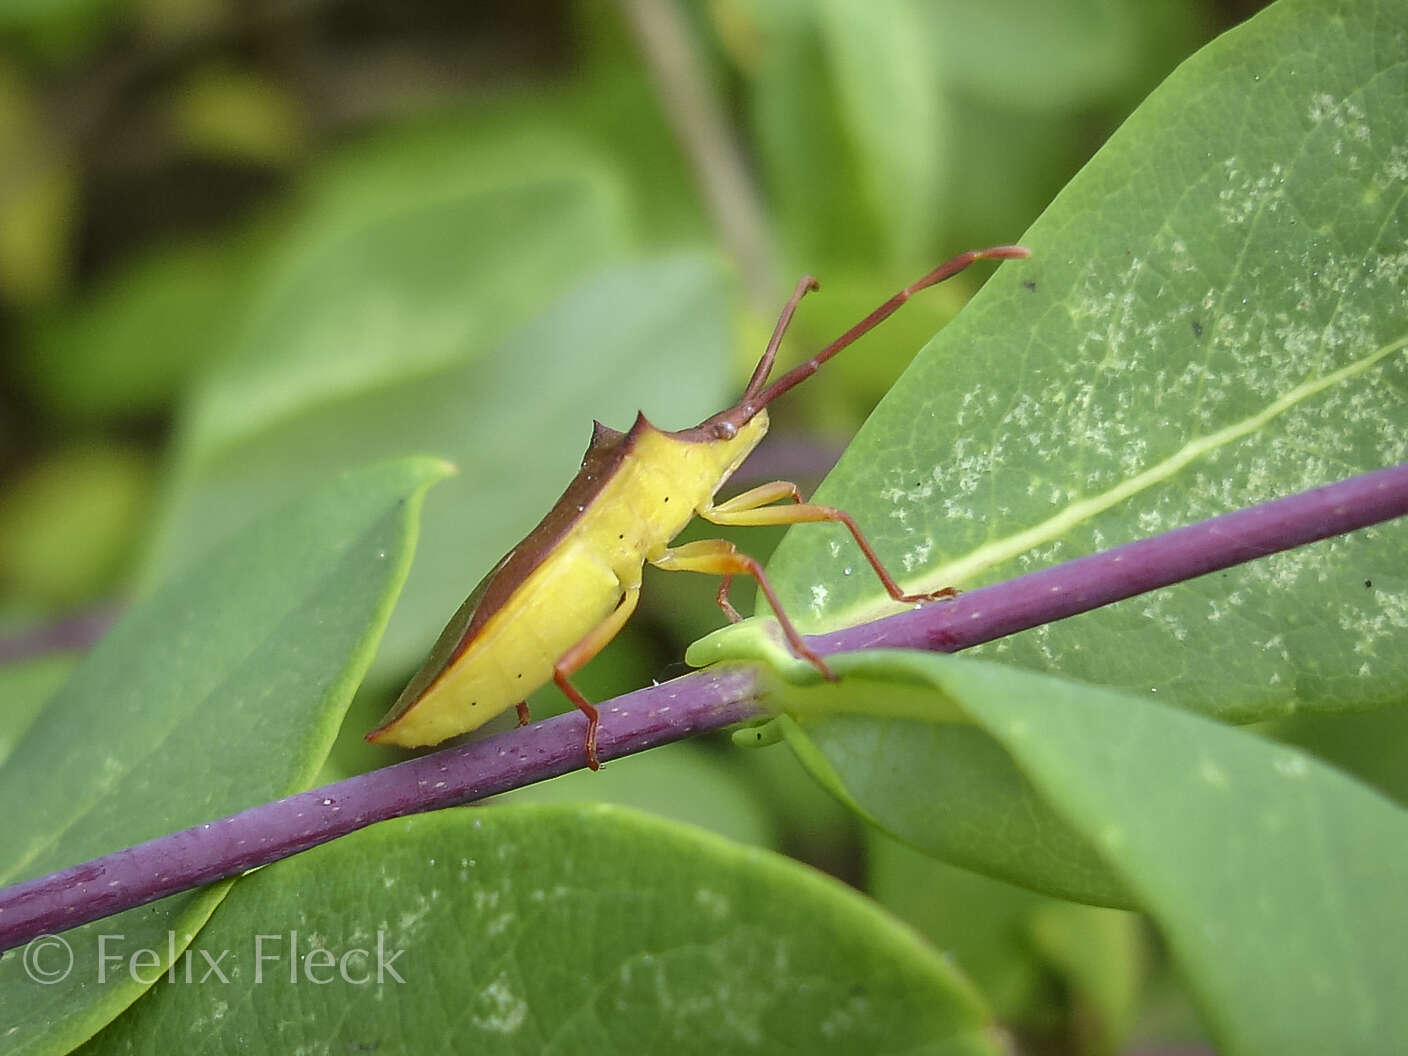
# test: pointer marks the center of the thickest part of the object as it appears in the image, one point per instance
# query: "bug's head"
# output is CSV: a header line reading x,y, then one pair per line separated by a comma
x,y
728,423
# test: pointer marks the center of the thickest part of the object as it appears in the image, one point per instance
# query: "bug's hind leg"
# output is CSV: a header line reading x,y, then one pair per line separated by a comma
x,y
723,601
524,715
580,654
719,557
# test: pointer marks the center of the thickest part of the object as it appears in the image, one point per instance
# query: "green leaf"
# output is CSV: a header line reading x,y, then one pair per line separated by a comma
x,y
1036,55
982,924
238,115
1049,969
515,416
682,782
1370,745
1250,856
25,687
890,99
801,131
606,130
70,522
222,690
129,347
558,929
451,288
343,310
1214,315
977,809
1099,956
40,202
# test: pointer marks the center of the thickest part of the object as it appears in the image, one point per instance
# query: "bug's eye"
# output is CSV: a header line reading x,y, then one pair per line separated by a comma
x,y
725,430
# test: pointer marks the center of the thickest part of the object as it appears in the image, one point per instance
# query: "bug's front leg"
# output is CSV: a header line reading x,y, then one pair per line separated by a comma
x,y
578,656
753,507
719,557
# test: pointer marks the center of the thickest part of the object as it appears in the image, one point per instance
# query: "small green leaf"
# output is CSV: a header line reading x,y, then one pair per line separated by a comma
x,y
552,930
222,690
1246,853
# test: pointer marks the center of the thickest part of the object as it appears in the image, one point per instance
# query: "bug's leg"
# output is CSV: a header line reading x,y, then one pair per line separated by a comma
x,y
751,508
577,657
722,598
757,496
524,715
719,557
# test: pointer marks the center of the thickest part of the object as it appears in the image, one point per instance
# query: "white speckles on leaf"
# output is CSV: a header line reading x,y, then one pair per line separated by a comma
x,y
918,557
500,924
1345,116
409,922
497,1009
1247,197
842,1019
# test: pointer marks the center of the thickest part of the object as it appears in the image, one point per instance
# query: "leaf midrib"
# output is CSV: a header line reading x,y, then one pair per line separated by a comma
x,y
1003,549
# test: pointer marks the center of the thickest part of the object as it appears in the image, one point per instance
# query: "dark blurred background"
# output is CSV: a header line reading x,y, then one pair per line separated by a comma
x,y
245,243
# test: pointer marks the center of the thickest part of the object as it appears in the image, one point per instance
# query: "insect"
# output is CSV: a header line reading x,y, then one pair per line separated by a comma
x,y
557,598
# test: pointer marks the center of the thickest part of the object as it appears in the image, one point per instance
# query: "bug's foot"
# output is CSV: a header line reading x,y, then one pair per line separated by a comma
x,y
816,661
936,595
524,715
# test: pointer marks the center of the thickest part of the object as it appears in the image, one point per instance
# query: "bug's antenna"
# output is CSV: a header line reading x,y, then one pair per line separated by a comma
x,y
944,271
760,373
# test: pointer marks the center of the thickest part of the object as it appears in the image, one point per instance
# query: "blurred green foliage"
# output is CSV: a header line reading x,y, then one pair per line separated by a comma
x,y
244,246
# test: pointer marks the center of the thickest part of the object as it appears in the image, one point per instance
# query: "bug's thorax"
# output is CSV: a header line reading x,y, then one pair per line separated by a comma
x,y
666,478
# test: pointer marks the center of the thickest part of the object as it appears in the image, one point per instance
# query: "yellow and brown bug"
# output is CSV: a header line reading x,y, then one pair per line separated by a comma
x,y
555,600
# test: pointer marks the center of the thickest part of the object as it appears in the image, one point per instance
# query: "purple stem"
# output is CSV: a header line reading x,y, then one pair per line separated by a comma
x,y
698,702
1121,572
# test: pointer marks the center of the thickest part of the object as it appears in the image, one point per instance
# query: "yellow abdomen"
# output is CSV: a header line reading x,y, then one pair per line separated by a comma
x,y
555,607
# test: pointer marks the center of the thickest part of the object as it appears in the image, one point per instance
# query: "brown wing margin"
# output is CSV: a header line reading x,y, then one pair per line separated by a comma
x,y
605,453
448,646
